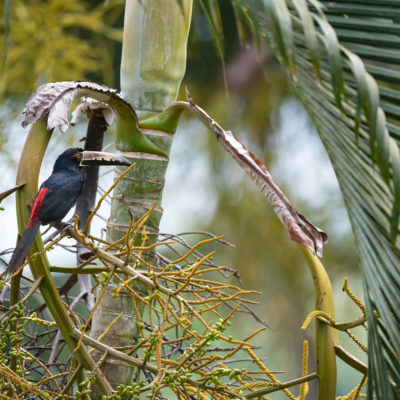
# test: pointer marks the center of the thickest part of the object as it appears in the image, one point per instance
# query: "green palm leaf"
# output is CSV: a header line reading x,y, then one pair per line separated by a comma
x,y
342,58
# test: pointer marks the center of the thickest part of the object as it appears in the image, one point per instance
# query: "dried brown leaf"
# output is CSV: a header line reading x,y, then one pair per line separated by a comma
x,y
56,99
299,229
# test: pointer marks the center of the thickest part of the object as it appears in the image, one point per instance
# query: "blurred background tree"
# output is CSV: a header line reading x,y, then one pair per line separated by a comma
x,y
248,93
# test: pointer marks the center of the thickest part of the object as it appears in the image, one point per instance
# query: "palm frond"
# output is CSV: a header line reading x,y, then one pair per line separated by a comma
x,y
342,59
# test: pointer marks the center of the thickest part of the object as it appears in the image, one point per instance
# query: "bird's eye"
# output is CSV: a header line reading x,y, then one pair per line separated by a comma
x,y
78,155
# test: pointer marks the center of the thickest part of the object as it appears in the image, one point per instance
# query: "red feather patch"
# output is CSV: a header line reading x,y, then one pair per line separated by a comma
x,y
34,218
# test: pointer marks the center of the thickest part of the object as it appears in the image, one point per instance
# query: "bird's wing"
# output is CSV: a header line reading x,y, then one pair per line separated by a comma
x,y
56,204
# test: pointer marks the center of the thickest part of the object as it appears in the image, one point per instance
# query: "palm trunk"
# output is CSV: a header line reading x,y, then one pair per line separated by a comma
x,y
152,68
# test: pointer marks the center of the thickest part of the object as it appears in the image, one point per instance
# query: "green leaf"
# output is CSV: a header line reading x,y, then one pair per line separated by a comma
x,y
212,13
383,146
282,30
333,50
358,70
395,155
394,222
309,32
355,107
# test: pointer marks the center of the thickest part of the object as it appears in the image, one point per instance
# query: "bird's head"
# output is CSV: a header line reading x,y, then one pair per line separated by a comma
x,y
77,157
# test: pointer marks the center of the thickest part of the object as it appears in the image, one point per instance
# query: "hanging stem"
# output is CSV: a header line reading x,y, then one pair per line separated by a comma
x,y
326,336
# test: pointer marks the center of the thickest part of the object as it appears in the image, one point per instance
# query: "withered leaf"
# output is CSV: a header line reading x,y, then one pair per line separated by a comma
x,y
299,229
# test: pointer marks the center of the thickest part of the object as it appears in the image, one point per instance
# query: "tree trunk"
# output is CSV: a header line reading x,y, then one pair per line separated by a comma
x,y
152,68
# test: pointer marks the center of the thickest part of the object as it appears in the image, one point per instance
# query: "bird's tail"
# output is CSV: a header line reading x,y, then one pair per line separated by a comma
x,y
22,249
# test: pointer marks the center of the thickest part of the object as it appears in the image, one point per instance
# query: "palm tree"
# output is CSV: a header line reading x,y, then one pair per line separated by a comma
x,y
152,67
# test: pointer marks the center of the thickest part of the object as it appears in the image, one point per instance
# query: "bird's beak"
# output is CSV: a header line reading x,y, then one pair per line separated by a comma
x,y
99,158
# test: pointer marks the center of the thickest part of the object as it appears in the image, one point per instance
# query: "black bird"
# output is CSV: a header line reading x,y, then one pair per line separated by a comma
x,y
58,194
